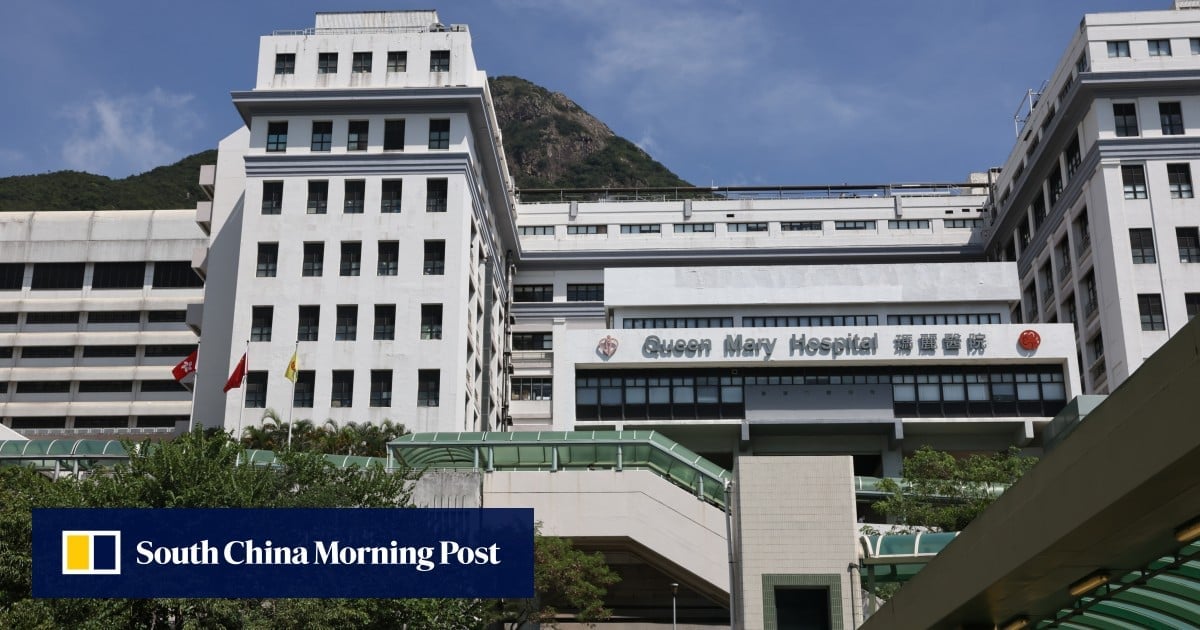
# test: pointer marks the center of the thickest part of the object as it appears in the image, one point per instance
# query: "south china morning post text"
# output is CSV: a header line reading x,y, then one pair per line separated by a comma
x,y
388,553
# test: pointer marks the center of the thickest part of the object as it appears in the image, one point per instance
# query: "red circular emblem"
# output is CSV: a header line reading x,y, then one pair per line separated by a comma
x,y
1029,340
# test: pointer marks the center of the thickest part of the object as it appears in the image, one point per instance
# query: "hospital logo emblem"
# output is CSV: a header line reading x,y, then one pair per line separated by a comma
x,y
1029,340
91,553
607,346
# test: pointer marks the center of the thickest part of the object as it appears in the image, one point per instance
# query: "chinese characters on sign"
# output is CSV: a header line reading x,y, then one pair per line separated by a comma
x,y
927,343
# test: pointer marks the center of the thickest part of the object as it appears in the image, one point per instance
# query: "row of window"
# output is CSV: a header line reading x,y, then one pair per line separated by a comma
x,y
341,390
1155,47
1187,241
350,262
321,138
94,317
363,62
97,352
105,275
1125,119
95,422
591,292
92,387
1179,180
308,323
1150,309
354,196
791,321
924,392
785,226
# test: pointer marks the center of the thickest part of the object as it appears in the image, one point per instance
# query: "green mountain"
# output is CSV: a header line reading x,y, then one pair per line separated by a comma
x,y
166,187
550,141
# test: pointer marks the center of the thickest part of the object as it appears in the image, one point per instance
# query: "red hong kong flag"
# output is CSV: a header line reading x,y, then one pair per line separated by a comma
x,y
239,372
185,367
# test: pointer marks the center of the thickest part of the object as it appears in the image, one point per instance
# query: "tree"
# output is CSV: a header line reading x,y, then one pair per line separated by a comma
x,y
563,576
942,493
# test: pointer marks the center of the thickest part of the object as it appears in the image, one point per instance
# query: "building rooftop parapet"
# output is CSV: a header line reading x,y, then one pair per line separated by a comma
x,y
373,30
723,193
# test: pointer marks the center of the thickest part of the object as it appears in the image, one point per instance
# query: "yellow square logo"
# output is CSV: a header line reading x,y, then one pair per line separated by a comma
x,y
91,552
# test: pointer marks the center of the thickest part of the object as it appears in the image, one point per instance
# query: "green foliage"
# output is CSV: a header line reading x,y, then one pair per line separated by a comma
x,y
942,493
166,187
352,438
564,577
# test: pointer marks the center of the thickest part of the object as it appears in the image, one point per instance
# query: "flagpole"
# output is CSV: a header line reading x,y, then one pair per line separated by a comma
x,y
241,410
292,405
196,372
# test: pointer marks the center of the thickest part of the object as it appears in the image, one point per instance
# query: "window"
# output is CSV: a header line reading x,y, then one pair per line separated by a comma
x,y
356,135
436,195
939,319
782,321
327,63
390,201
533,341
1125,121
351,262
854,225
1195,44
908,224
1192,302
302,393
110,317
285,63
260,323
1134,179
642,228
439,134
12,275
1170,115
800,226
1054,185
322,135
43,387
955,224
318,197
63,317
309,322
342,391
585,292
746,227
1118,49
1151,308
57,276
1180,178
356,190
1073,155
314,259
174,274
689,228
533,293
360,62
272,197
1188,240
381,388
677,322
105,352
166,385
385,322
256,390
587,229
1159,47
537,388
118,275
439,61
431,321
435,258
1141,243
1084,232
268,260
277,136
389,258
48,352
428,388
173,316
347,323
537,230
397,61
393,135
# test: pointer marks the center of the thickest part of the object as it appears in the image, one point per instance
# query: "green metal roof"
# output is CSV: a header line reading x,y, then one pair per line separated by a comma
x,y
565,450
1163,594
42,454
898,557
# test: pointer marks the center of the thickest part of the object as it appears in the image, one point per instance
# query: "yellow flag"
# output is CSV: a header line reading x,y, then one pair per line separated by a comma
x,y
293,366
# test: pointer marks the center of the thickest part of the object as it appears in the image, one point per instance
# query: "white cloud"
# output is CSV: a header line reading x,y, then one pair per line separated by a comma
x,y
11,157
122,135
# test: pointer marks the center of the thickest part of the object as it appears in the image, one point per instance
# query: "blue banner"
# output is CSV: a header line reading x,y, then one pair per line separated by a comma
x,y
386,553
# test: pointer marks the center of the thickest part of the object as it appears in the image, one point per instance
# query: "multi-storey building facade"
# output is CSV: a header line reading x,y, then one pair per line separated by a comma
x,y
358,221
1095,203
93,312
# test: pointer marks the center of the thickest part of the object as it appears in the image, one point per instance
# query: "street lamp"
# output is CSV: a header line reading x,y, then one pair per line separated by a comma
x,y
674,592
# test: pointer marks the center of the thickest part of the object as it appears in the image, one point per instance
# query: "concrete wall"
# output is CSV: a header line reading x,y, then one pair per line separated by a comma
x,y
449,489
795,524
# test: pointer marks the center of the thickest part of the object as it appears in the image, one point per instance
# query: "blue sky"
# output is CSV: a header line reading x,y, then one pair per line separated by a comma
x,y
721,92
